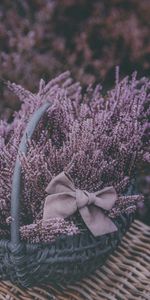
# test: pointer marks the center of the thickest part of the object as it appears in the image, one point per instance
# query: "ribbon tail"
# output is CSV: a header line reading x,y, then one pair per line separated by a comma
x,y
96,221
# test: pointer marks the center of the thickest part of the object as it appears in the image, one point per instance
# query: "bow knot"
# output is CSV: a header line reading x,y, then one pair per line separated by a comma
x,y
91,198
64,200
84,198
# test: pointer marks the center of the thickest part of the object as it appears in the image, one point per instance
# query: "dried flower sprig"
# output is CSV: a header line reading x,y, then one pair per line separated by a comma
x,y
39,232
98,140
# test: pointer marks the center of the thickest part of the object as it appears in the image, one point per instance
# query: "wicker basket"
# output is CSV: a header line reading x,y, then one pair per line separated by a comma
x,y
65,260
125,275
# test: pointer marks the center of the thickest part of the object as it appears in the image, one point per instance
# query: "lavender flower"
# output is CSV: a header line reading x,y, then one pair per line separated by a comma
x,y
99,140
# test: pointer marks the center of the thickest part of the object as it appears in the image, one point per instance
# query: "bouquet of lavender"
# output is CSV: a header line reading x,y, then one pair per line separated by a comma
x,y
98,140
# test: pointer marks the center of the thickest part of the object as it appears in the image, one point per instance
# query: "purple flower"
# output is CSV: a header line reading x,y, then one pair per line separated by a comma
x,y
99,140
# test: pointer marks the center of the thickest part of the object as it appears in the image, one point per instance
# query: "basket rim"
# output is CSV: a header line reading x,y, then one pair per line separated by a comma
x,y
55,262
70,239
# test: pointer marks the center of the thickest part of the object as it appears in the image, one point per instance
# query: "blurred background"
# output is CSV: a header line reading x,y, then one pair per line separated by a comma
x,y
42,38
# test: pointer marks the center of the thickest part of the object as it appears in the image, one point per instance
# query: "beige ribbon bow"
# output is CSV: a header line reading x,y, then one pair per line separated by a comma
x,y
64,200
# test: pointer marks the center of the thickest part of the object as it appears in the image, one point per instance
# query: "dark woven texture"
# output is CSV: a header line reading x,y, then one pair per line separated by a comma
x,y
66,260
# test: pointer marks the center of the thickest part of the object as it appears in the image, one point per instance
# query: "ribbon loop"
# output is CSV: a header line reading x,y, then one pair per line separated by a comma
x,y
64,200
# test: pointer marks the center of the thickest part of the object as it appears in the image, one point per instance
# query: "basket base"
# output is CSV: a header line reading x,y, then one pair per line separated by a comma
x,y
126,275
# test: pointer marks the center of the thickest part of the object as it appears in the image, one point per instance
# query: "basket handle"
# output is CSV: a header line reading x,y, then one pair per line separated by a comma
x,y
16,179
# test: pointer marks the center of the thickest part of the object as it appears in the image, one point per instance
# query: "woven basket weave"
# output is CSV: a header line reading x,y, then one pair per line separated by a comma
x,y
126,275
68,258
